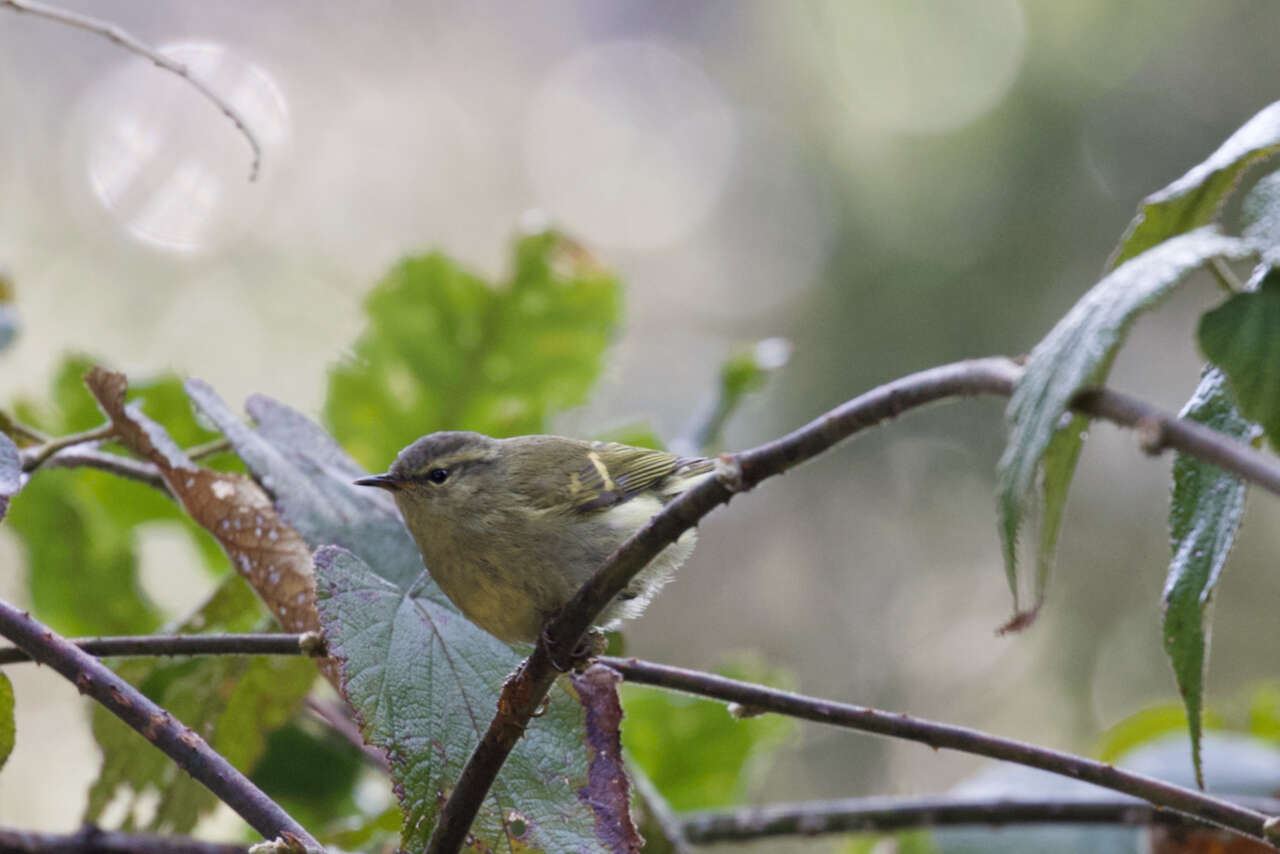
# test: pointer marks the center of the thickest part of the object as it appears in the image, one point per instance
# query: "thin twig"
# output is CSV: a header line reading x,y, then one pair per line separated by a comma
x,y
15,429
129,469
208,449
308,643
114,33
1223,273
94,840
338,719
33,457
181,743
887,815
656,805
522,694
938,735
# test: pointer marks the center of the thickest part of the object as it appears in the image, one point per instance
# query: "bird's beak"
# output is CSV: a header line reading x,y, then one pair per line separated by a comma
x,y
382,481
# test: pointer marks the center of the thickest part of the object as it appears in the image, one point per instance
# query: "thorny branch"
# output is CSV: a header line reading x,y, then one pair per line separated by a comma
x,y
523,693
131,43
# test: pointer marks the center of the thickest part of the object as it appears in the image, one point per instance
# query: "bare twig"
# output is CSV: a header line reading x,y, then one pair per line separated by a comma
x,y
1224,275
307,643
131,43
522,694
182,744
129,469
338,719
208,449
886,815
33,457
15,429
94,840
656,805
937,735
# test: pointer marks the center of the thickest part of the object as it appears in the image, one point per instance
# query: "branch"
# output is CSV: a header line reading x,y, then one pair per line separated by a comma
x,y
124,467
522,694
94,840
308,643
130,43
182,744
885,815
33,457
937,735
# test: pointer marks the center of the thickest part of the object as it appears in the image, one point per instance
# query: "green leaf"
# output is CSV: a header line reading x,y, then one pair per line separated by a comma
x,y
1197,198
10,472
1204,516
1242,337
1260,216
698,755
312,773
85,579
423,678
234,702
1145,726
745,372
7,729
82,568
1078,353
424,683
444,349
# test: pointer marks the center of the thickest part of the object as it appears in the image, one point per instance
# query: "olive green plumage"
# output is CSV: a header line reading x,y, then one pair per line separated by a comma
x,y
511,528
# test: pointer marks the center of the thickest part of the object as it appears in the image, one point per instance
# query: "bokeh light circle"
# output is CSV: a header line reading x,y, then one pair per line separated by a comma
x,y
164,163
919,66
629,145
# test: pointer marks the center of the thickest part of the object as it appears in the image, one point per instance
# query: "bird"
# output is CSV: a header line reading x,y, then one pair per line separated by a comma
x,y
511,528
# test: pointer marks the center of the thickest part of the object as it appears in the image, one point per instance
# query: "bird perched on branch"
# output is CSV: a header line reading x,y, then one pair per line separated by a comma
x,y
511,528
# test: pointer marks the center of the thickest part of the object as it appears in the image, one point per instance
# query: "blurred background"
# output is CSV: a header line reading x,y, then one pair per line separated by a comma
x,y
887,185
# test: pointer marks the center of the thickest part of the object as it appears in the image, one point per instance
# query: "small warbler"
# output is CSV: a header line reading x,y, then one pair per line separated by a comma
x,y
511,528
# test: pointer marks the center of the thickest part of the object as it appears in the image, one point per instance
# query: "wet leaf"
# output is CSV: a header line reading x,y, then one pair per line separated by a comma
x,y
7,729
445,349
234,702
1204,515
1078,353
10,472
271,555
1260,216
1242,337
424,683
1197,198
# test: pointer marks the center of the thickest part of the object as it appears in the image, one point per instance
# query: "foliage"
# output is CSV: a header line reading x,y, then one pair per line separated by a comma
x,y
694,751
497,359
7,733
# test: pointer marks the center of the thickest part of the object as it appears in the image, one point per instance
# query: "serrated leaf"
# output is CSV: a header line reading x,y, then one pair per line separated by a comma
x,y
444,349
1077,353
1242,337
8,731
1197,198
424,683
10,472
234,702
431,717
1204,515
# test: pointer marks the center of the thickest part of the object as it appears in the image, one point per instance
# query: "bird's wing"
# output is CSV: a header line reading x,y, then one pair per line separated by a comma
x,y
613,473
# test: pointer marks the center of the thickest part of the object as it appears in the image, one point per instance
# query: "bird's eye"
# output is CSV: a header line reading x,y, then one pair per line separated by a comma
x,y
438,475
